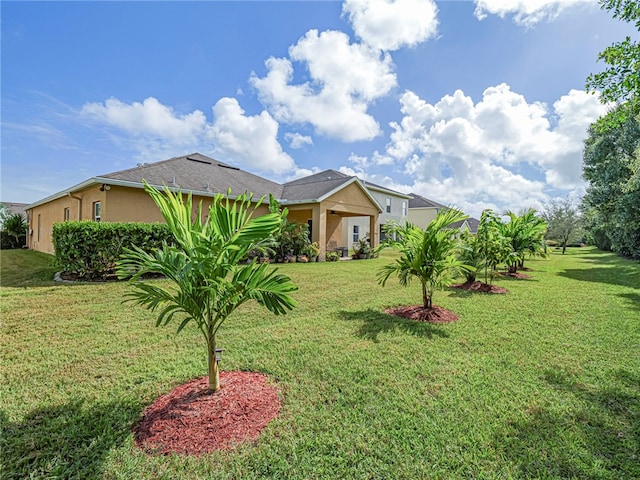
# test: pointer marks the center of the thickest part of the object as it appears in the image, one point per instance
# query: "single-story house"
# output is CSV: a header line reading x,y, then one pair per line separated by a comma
x,y
322,200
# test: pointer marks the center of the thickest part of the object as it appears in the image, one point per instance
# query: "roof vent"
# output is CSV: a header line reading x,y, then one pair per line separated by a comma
x,y
206,186
199,161
228,166
173,181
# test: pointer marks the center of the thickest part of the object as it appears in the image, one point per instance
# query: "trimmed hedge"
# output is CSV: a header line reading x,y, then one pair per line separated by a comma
x,y
88,249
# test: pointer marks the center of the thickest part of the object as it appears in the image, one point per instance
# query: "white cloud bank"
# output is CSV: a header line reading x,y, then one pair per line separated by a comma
x,y
345,79
526,12
390,25
457,149
157,131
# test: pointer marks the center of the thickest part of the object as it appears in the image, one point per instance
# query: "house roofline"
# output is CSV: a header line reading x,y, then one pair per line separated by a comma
x,y
122,183
380,188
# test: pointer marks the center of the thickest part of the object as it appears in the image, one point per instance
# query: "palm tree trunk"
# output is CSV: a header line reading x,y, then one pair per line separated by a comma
x,y
214,373
426,298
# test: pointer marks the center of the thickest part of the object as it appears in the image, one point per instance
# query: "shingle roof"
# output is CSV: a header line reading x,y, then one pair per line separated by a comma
x,y
200,173
418,201
15,207
314,186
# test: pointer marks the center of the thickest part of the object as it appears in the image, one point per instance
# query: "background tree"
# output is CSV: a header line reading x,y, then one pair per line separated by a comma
x,y
14,229
428,255
5,213
612,201
208,282
564,221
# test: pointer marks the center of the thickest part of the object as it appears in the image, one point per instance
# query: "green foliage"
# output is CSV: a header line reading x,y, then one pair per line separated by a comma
x,y
428,255
620,82
485,250
564,222
14,231
525,233
90,250
612,201
362,248
205,268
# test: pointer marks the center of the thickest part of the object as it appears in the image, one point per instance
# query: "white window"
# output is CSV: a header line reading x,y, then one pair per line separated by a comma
x,y
388,205
97,211
66,214
404,209
356,233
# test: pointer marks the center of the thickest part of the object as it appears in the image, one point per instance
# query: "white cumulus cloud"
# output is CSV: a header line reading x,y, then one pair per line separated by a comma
x,y
391,24
297,140
488,152
250,138
344,79
157,131
525,12
149,118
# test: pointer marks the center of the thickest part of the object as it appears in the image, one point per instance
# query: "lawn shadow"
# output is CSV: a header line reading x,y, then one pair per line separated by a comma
x,y
633,298
64,441
599,438
374,323
624,276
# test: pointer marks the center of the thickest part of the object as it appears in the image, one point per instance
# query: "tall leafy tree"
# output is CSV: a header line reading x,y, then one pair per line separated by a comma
x,y
620,81
612,201
427,255
564,221
207,282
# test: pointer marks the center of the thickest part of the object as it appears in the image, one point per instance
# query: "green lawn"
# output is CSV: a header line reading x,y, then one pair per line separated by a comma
x,y
543,382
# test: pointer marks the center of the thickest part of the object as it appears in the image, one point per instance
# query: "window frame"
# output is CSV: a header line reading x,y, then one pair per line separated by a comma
x,y
97,211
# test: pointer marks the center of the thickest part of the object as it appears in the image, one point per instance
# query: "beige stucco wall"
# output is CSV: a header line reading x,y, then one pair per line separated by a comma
x,y
119,204
42,217
421,217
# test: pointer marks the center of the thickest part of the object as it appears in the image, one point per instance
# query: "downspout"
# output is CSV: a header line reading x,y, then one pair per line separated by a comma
x,y
79,205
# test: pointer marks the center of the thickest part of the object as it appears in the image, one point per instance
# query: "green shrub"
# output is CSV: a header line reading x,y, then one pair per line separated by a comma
x,y
90,250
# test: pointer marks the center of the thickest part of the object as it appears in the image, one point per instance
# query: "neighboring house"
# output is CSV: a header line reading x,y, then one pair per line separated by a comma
x,y
394,210
422,211
14,207
322,200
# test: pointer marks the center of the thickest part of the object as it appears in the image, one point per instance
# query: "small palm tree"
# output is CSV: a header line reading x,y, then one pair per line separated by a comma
x,y
428,255
15,226
204,266
526,234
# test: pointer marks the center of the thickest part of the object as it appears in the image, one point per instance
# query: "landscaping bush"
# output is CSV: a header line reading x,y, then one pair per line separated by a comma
x,y
89,250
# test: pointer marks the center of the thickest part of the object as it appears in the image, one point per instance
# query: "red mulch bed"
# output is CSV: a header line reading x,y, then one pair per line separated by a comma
x,y
434,314
480,287
190,421
514,275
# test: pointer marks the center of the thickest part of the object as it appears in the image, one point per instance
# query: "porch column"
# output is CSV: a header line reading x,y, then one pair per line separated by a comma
x,y
319,231
373,231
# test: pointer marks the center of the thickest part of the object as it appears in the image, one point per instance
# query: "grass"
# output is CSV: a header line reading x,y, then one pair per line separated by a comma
x,y
543,382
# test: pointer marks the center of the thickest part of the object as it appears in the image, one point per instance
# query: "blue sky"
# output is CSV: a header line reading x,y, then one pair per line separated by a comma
x,y
479,104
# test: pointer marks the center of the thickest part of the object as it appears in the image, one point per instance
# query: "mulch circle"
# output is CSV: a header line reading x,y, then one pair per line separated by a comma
x,y
480,287
514,275
191,421
434,314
